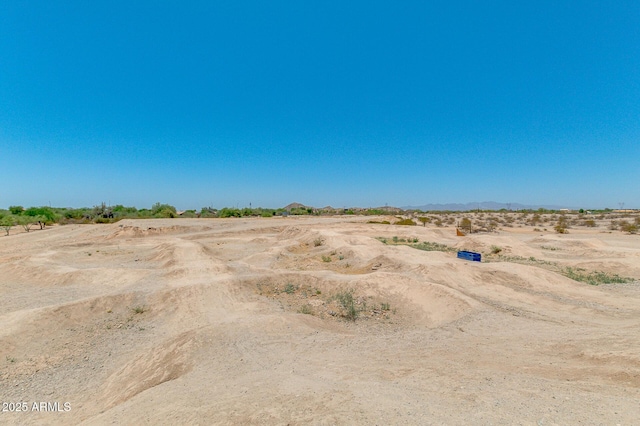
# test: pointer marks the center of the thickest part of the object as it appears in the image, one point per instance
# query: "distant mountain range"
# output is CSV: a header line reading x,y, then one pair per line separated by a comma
x,y
484,205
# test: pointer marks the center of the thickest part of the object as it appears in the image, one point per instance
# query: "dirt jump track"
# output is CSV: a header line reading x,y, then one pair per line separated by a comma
x,y
314,320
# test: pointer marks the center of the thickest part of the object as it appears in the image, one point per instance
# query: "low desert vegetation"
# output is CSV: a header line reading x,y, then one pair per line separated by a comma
x,y
577,274
347,302
424,220
139,309
465,224
341,304
594,277
406,222
414,243
562,225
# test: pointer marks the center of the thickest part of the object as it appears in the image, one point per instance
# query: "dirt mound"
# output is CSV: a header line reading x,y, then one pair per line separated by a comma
x,y
132,231
165,362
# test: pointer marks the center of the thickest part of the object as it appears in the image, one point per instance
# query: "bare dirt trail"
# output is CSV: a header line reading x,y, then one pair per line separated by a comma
x,y
239,321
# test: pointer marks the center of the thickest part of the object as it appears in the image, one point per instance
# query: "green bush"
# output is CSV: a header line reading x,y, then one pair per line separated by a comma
x,y
16,210
406,222
594,277
7,222
44,212
229,212
346,300
27,222
163,210
431,246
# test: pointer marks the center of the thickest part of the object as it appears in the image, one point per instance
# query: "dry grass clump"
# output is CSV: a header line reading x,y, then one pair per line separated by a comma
x,y
562,225
628,227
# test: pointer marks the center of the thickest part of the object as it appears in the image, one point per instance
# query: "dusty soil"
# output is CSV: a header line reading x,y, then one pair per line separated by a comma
x,y
244,321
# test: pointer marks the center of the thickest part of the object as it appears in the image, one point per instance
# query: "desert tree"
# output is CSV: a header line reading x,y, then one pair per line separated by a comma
x,y
16,210
163,210
41,215
7,222
26,222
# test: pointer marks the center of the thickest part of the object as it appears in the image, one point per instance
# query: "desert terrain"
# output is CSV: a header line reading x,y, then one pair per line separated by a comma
x,y
317,320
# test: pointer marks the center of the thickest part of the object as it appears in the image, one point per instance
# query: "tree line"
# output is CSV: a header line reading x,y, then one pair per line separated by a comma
x,y
41,217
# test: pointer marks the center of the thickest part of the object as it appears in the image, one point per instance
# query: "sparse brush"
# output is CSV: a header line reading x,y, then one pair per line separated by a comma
x,y
495,249
346,300
139,310
406,222
306,309
318,242
630,228
290,288
326,259
594,277
431,246
561,228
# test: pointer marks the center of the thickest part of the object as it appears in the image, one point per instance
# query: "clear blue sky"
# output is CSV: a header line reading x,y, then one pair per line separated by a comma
x,y
347,103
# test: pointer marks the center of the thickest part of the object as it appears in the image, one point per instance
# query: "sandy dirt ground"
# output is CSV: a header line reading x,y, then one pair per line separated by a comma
x,y
246,321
